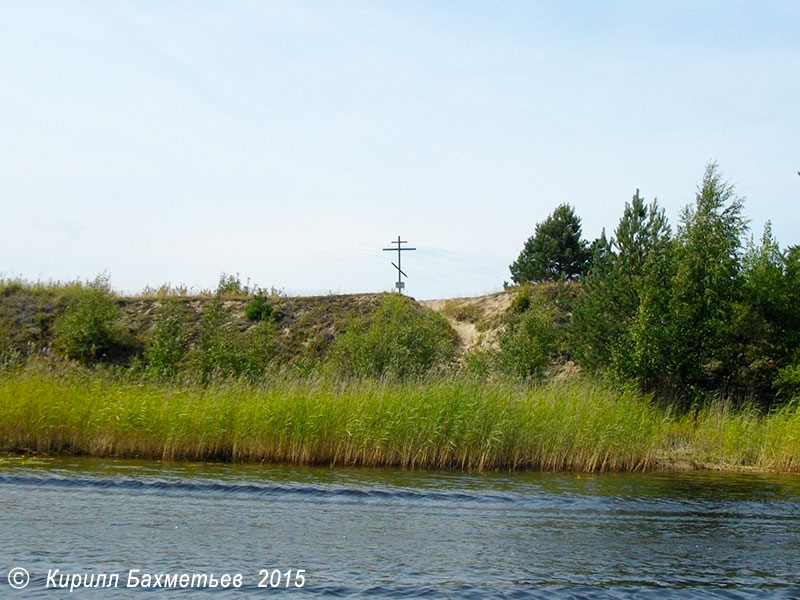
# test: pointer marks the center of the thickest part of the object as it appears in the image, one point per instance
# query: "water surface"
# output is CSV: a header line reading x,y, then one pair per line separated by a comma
x,y
401,534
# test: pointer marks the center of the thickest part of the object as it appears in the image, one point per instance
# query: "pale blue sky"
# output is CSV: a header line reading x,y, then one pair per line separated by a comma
x,y
290,142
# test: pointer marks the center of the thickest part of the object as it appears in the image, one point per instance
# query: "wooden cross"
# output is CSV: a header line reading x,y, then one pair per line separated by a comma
x,y
400,274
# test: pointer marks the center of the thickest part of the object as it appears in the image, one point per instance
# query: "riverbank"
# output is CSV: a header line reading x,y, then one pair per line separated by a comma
x,y
447,423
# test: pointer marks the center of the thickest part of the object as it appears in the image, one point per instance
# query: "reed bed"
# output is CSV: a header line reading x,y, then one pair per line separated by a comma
x,y
727,436
440,424
431,424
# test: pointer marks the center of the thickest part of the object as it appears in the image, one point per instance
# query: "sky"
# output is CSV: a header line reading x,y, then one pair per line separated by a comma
x,y
289,142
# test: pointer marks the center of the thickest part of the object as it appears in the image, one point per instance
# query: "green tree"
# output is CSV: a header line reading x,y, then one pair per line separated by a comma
x,y
648,349
757,348
621,269
790,301
642,235
555,251
787,381
707,284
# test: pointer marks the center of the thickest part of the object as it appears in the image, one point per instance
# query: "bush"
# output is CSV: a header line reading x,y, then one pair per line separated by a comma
x,y
226,352
259,309
480,362
521,301
788,381
217,342
9,354
168,342
400,338
230,285
531,336
10,286
89,330
258,350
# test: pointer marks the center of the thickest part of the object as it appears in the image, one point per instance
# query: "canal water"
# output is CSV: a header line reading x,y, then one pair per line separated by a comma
x,y
393,534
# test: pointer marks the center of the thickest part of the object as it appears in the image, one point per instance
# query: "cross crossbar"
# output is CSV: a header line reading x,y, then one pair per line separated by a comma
x,y
400,273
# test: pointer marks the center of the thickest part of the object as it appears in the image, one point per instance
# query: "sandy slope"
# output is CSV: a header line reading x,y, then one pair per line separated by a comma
x,y
476,320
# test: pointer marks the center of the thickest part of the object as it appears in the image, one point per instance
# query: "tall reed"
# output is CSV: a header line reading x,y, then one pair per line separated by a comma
x,y
434,424
723,435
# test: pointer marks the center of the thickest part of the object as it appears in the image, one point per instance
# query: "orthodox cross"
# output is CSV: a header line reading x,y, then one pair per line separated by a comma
x,y
400,274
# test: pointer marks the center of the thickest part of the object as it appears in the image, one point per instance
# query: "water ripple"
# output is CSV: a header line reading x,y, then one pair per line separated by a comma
x,y
251,489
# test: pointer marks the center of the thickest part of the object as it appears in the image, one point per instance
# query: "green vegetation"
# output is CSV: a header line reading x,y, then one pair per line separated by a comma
x,y
555,250
168,341
529,340
463,310
665,346
231,285
9,355
434,423
437,424
531,336
632,266
693,316
224,351
399,339
171,336
721,434
259,309
89,329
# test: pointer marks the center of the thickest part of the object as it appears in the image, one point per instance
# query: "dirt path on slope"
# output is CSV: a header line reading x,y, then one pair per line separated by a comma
x,y
476,320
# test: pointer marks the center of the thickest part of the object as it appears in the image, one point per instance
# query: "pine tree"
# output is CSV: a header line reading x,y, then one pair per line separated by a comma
x,y
555,251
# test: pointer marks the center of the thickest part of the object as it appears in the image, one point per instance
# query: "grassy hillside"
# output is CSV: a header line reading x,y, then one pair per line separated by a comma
x,y
373,379
304,326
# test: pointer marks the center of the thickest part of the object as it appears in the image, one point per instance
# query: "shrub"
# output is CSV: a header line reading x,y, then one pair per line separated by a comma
x,y
259,309
217,343
480,362
226,352
230,285
530,338
258,350
9,354
788,380
168,341
521,301
89,329
165,290
10,286
400,338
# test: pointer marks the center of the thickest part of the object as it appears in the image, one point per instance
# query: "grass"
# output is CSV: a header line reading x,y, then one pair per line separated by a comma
x,y
430,424
464,311
436,423
742,437
313,417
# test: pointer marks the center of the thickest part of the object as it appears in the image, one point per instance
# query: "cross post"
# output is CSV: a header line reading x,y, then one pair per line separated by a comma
x,y
400,274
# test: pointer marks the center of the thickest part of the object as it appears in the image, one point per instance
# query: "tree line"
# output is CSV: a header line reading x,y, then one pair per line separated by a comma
x,y
689,313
